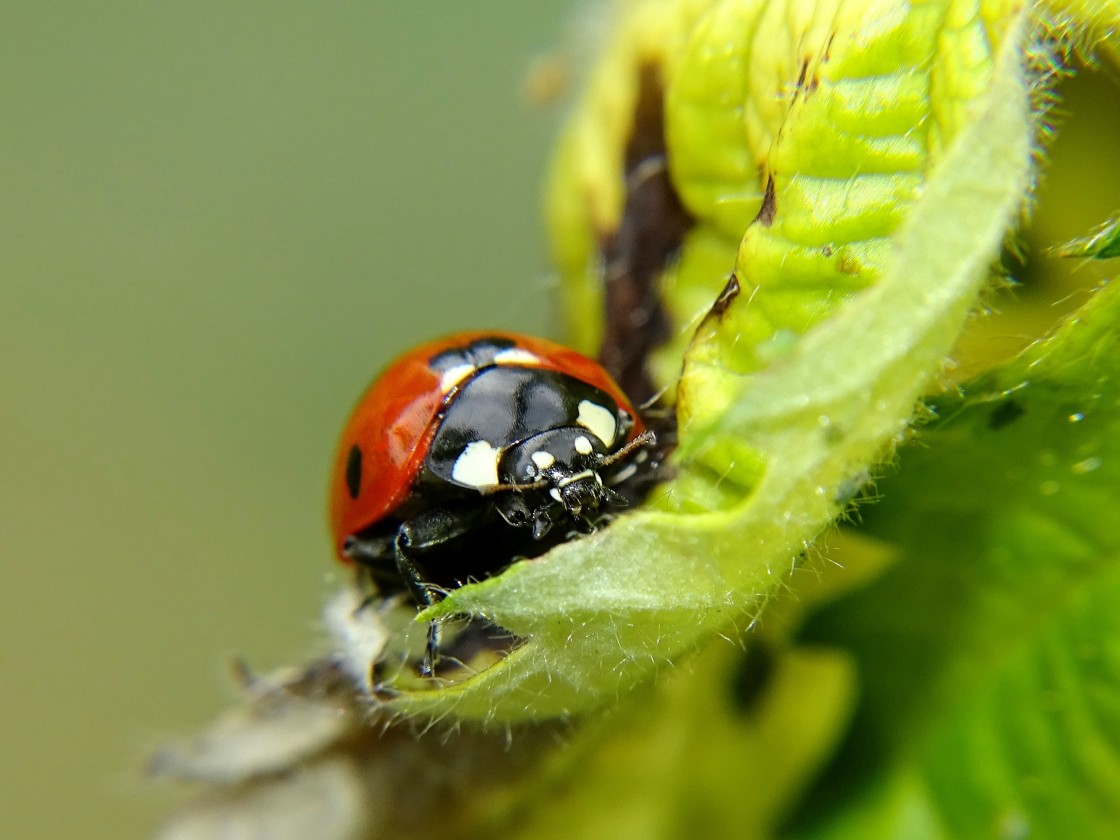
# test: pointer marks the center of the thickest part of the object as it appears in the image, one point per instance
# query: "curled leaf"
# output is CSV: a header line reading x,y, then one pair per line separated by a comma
x,y
779,426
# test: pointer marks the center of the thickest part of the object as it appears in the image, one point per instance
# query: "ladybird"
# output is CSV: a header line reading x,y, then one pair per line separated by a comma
x,y
474,449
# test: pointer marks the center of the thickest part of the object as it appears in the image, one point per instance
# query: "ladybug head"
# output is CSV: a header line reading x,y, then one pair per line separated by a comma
x,y
567,464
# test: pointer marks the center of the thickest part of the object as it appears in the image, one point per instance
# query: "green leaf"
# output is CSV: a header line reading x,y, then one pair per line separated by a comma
x,y
768,457
693,759
1091,25
1102,244
990,652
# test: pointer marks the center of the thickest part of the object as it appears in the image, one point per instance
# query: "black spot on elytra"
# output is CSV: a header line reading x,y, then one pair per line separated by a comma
x,y
1005,414
354,471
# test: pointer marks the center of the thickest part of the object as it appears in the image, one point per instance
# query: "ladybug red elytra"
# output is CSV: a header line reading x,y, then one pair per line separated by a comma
x,y
497,436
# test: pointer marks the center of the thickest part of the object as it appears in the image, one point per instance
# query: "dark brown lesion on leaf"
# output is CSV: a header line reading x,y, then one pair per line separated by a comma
x,y
1005,414
803,74
806,82
847,263
648,239
731,291
715,314
769,208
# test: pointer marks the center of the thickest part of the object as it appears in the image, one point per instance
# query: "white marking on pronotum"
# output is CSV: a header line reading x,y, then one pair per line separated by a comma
x,y
583,445
477,465
516,356
598,420
543,459
453,376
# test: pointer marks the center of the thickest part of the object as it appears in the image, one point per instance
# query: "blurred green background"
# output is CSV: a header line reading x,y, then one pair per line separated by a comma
x,y
218,221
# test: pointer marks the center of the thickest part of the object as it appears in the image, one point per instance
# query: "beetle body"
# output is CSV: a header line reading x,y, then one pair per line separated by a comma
x,y
468,451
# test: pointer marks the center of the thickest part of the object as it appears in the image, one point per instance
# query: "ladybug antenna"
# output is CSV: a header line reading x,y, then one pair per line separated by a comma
x,y
646,438
491,489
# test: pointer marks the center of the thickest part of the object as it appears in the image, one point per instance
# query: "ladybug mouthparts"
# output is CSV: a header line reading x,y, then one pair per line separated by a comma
x,y
583,490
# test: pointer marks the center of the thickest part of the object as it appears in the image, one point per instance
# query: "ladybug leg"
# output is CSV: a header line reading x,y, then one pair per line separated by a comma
x,y
410,571
373,556
428,530
514,509
413,576
542,522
